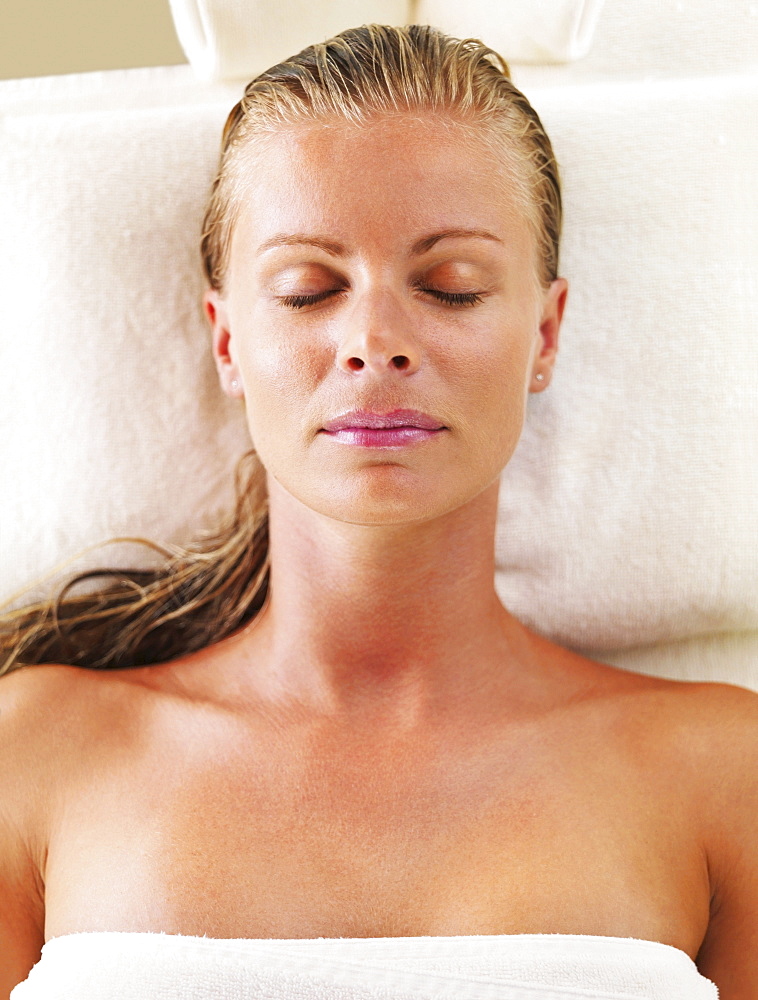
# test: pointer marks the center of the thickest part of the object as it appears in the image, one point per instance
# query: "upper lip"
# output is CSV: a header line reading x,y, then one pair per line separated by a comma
x,y
397,418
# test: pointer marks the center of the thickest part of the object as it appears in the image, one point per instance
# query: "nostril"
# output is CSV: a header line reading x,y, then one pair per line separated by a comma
x,y
399,361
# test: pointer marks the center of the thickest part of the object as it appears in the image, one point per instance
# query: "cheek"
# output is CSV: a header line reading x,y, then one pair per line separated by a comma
x,y
488,365
281,379
486,386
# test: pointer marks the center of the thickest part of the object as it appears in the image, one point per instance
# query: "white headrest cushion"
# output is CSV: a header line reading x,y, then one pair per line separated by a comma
x,y
628,511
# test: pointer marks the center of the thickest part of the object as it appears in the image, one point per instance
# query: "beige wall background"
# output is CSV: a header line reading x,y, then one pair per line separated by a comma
x,y
44,37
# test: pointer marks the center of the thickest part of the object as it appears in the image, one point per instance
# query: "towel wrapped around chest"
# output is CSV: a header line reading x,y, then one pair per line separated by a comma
x,y
118,965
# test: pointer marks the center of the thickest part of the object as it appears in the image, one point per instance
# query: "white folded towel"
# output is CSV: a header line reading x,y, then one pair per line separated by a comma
x,y
528,31
235,39
116,965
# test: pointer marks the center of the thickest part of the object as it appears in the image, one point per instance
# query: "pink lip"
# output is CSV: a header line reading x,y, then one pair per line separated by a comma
x,y
383,437
377,421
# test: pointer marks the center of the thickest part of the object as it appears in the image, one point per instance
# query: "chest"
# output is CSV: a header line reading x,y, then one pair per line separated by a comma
x,y
261,838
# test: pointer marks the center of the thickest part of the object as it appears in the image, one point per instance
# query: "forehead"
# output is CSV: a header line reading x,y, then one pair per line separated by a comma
x,y
386,180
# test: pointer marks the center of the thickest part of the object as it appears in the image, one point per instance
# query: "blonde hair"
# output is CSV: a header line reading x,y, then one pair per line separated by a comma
x,y
219,582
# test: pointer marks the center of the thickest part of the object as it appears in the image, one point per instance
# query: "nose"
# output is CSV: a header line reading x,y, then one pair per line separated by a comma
x,y
376,335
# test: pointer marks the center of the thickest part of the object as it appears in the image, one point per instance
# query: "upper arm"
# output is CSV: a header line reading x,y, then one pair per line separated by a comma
x,y
729,953
21,924
21,891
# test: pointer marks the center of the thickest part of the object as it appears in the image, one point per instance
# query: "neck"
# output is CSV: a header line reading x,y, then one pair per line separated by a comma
x,y
398,620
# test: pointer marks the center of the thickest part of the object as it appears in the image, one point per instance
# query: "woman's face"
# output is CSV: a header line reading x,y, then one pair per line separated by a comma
x,y
336,300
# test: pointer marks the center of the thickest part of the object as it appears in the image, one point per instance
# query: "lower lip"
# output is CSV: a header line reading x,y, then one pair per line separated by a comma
x,y
387,437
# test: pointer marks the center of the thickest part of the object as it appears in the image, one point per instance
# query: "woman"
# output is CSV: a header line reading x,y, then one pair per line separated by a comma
x,y
334,729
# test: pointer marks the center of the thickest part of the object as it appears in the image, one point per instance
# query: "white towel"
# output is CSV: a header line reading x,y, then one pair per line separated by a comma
x,y
135,966
529,31
232,39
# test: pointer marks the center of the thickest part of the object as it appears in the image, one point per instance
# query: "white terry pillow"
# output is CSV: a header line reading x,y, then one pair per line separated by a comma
x,y
525,31
628,511
651,40
113,422
231,39
235,39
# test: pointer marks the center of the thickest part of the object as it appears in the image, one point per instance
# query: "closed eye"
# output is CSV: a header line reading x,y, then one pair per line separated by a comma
x,y
455,298
450,298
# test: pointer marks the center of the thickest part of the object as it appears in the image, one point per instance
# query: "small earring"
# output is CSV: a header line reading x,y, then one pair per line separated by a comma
x,y
539,377
235,384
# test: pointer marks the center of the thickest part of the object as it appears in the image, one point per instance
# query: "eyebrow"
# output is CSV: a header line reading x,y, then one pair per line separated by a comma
x,y
422,245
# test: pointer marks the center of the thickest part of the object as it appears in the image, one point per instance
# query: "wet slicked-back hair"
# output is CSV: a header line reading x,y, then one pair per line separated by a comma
x,y
219,582
376,70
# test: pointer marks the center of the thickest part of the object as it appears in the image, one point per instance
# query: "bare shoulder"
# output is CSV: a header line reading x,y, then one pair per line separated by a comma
x,y
716,702
717,727
51,716
32,707
710,729
717,717
43,719
729,954
48,717
34,704
27,712
705,710
41,705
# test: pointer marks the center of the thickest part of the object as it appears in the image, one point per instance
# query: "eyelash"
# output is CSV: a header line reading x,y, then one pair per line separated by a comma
x,y
450,298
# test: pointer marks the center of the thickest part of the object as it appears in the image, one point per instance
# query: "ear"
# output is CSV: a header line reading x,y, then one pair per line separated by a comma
x,y
223,354
547,335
